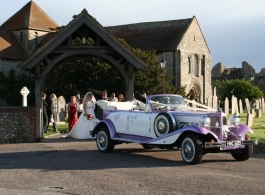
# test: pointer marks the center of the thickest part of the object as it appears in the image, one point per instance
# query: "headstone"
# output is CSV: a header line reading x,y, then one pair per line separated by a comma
x,y
233,105
215,99
252,111
194,104
226,106
249,121
236,105
61,109
247,105
24,92
240,106
262,104
258,113
257,104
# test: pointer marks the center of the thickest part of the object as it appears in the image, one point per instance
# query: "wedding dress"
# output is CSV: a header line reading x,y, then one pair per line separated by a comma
x,y
83,126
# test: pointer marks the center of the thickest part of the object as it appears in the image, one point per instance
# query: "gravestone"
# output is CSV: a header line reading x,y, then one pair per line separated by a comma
x,y
61,109
215,99
24,92
226,106
247,105
252,111
257,104
258,113
233,105
236,105
240,106
249,121
194,104
262,104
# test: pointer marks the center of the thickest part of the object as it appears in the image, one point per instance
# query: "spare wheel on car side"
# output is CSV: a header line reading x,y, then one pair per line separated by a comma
x,y
164,123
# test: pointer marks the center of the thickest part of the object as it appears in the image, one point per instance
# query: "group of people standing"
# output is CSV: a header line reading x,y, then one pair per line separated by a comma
x,y
49,112
81,113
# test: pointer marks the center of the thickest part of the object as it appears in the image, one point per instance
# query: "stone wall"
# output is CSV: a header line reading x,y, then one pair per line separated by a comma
x,y
247,71
17,124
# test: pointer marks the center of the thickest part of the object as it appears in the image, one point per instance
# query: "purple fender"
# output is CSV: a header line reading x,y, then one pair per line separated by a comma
x,y
109,124
240,129
195,129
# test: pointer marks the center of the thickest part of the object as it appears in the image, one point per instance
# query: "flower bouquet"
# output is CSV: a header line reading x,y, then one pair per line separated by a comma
x,y
89,117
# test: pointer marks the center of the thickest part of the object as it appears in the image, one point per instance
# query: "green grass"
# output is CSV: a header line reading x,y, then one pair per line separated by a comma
x,y
258,127
62,127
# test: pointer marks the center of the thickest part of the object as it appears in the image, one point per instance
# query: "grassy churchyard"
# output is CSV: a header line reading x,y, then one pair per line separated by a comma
x,y
258,127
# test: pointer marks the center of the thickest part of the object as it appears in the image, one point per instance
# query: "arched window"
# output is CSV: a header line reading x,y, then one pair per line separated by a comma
x,y
194,65
36,38
21,37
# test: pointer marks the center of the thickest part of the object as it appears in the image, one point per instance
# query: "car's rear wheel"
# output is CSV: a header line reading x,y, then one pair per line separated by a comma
x,y
104,142
163,124
192,149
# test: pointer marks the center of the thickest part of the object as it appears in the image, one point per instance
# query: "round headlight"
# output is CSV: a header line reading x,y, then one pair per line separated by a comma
x,y
234,120
205,121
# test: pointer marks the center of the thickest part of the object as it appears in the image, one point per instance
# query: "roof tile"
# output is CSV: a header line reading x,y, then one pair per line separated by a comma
x,y
31,16
163,35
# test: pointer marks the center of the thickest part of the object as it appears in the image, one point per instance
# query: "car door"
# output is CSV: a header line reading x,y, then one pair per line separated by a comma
x,y
120,121
140,123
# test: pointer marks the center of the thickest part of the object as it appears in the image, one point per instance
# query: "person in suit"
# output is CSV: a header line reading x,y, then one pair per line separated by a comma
x,y
44,112
105,95
143,97
52,111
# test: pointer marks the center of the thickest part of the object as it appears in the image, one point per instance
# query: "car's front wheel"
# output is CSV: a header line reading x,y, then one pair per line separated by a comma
x,y
243,154
104,142
192,149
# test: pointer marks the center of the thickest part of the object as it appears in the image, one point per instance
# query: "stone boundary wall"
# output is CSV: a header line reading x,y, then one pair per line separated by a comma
x,y
17,124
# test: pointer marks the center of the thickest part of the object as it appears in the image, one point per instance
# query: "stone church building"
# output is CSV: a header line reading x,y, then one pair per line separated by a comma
x,y
179,42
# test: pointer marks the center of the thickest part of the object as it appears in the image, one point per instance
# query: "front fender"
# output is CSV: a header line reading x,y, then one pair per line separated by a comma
x,y
105,123
240,129
170,138
199,130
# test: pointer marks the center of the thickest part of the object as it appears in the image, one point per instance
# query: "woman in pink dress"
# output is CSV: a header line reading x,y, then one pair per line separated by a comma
x,y
72,112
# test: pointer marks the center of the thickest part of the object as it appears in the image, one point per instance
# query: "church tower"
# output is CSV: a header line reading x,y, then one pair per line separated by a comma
x,y
29,26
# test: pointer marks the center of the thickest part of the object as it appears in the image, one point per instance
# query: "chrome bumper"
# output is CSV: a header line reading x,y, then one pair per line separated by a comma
x,y
230,144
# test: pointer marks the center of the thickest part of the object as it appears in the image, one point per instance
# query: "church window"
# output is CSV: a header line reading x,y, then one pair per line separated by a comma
x,y
36,38
194,65
194,37
21,37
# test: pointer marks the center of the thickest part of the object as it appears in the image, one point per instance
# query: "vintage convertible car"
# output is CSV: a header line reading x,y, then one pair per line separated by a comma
x,y
165,121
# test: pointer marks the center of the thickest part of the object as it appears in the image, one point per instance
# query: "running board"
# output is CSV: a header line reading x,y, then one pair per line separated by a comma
x,y
123,139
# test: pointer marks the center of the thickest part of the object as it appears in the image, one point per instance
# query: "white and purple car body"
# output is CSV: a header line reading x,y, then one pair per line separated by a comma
x,y
165,121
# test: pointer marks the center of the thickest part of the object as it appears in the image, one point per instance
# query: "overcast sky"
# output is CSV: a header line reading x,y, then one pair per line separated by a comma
x,y
234,29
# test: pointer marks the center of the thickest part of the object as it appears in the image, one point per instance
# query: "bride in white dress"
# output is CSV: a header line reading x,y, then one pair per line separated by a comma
x,y
83,126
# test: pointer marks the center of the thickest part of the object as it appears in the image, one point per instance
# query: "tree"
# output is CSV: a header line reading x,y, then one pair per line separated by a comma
x,y
239,88
150,80
11,85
